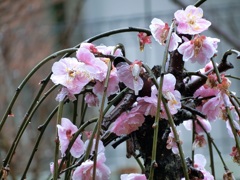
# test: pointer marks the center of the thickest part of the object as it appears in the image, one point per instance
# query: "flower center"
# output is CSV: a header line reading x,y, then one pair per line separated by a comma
x,y
69,134
225,84
198,43
191,22
72,73
164,34
170,97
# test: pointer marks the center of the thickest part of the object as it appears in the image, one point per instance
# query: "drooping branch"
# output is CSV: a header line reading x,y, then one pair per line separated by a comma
x,y
117,31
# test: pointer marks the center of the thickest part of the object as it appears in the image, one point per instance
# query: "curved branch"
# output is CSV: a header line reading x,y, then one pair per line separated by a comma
x,y
118,31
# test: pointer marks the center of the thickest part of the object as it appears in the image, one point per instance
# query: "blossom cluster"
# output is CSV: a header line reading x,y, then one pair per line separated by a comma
x,y
215,99
196,47
187,39
85,171
87,72
130,121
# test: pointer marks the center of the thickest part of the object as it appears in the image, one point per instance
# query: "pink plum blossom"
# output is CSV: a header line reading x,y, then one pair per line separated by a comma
x,y
147,105
190,21
235,155
127,122
200,49
101,147
70,73
65,132
130,75
160,31
89,46
205,91
112,88
171,143
52,165
224,85
174,42
133,176
143,39
200,163
236,127
199,141
208,67
91,99
198,129
96,67
172,96
85,170
212,107
63,93
108,50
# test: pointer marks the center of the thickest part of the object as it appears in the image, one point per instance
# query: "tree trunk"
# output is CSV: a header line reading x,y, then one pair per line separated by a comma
x,y
168,164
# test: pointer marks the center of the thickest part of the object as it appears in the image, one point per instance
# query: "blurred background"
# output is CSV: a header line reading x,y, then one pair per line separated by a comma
x,y
32,30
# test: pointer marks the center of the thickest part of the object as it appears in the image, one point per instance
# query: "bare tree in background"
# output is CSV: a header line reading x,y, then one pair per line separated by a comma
x,y
29,31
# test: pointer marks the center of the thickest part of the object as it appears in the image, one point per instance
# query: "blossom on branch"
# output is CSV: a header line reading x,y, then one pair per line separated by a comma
x,y
130,75
236,128
133,176
91,47
190,21
214,107
199,141
160,31
91,99
85,170
147,105
109,50
200,49
63,93
198,129
96,67
127,122
71,73
200,163
143,39
171,143
101,147
112,88
65,132
235,155
174,42
59,162
170,94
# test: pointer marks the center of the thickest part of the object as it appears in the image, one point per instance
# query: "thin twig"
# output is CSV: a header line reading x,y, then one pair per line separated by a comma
x,y
59,117
211,156
100,119
176,136
213,143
